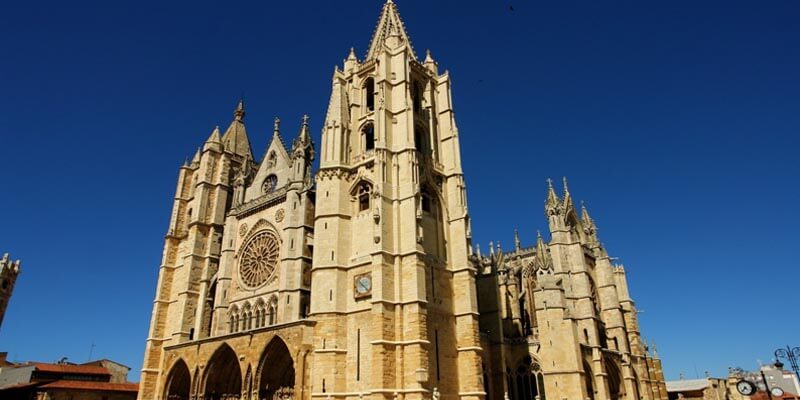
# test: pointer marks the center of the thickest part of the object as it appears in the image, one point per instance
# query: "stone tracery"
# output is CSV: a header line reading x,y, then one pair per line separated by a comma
x,y
259,259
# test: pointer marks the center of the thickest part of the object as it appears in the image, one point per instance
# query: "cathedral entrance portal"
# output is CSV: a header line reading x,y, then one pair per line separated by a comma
x,y
276,372
178,382
223,376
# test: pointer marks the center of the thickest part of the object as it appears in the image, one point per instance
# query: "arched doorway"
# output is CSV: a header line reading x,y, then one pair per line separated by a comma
x,y
589,380
614,381
178,382
223,375
276,372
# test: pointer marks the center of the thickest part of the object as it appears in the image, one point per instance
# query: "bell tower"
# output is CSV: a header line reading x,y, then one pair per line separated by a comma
x,y
392,288
9,271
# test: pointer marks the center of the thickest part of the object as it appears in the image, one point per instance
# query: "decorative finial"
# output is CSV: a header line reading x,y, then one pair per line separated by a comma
x,y
538,234
428,58
549,183
239,113
352,55
517,242
305,120
276,125
566,188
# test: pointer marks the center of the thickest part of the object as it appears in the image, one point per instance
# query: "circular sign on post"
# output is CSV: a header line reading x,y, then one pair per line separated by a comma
x,y
745,388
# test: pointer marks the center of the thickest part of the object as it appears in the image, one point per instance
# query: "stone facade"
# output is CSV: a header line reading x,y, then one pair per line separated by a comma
x,y
9,271
557,317
362,282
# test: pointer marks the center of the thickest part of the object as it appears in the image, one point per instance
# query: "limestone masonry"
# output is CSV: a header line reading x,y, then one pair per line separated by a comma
x,y
359,280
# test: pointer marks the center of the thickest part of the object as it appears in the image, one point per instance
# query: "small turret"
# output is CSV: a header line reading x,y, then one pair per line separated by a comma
x,y
351,61
430,63
196,159
302,154
552,203
589,228
214,141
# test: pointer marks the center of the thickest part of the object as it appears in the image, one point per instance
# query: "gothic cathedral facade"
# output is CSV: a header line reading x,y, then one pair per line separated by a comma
x,y
360,280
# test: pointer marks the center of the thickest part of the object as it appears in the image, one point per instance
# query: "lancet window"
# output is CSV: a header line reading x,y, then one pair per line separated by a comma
x,y
363,193
368,137
369,94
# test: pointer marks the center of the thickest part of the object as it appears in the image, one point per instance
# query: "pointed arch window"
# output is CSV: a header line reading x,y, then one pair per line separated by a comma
x,y
272,311
233,320
421,141
369,93
363,193
428,201
368,137
416,96
526,382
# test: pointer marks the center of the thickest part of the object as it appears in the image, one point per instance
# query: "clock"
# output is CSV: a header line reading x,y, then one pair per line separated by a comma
x,y
776,391
362,285
746,388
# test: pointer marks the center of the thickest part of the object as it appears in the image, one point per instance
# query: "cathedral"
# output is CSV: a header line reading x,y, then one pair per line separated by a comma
x,y
359,280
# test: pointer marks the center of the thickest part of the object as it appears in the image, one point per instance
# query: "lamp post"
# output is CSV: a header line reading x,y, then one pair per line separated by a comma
x,y
791,354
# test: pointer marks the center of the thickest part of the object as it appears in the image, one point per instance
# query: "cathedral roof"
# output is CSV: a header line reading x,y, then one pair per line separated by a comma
x,y
389,24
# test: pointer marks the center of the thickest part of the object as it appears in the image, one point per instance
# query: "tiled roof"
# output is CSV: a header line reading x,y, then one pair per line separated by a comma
x,y
685,385
72,369
765,396
88,385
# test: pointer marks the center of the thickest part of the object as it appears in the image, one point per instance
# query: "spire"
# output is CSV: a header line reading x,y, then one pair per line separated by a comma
x,y
552,197
235,138
428,58
517,243
214,138
539,241
196,158
214,142
585,213
238,114
390,27
430,64
351,61
567,196
276,126
304,133
303,140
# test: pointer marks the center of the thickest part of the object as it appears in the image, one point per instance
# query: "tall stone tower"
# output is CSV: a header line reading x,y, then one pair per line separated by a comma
x,y
393,291
9,271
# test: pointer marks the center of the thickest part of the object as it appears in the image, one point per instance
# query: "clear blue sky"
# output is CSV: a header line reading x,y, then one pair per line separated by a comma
x,y
677,122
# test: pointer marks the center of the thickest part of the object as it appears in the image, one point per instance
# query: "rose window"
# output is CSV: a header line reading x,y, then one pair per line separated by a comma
x,y
259,259
270,183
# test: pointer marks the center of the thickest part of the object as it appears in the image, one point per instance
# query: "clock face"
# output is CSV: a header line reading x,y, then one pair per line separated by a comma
x,y
363,284
777,392
746,387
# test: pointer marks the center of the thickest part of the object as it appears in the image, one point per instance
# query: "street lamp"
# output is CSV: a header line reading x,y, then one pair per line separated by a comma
x,y
791,354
